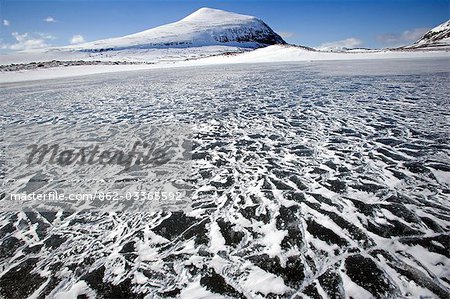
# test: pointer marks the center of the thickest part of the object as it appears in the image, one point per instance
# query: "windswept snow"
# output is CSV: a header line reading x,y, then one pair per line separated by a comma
x,y
334,161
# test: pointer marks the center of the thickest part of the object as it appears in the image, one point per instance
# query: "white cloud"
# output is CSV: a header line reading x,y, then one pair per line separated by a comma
x,y
6,23
50,19
338,45
45,35
286,34
414,34
400,39
27,41
77,39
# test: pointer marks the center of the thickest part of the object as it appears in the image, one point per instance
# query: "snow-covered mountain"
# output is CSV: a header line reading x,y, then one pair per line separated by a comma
x,y
204,27
437,37
206,32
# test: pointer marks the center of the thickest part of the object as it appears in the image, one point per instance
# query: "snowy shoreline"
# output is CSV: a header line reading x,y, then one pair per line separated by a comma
x,y
271,54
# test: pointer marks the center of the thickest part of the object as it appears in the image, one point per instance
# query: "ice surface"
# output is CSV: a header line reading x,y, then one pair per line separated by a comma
x,y
348,167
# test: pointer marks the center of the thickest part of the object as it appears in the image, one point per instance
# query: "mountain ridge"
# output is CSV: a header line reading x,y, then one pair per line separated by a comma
x,y
437,37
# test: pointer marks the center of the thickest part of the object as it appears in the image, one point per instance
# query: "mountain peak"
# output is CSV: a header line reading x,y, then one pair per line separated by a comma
x,y
209,10
206,14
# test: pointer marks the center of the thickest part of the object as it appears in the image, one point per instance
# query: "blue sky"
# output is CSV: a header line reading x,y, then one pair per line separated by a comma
x,y
362,23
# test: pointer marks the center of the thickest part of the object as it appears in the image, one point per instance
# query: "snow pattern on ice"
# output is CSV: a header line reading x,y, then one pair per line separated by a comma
x,y
306,185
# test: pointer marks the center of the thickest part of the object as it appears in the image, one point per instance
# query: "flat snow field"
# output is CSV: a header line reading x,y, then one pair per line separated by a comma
x,y
325,178
189,57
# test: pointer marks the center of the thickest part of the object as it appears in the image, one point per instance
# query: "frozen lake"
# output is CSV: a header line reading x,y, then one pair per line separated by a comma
x,y
305,178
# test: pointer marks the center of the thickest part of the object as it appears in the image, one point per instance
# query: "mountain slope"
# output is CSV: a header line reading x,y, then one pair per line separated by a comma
x,y
437,37
205,27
